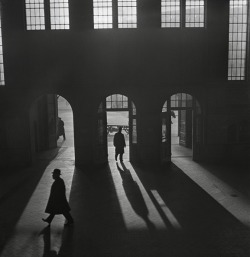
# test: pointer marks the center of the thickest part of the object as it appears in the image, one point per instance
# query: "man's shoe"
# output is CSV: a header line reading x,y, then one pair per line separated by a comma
x,y
67,224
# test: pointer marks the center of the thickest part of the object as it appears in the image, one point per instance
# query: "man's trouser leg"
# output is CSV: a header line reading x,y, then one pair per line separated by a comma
x,y
50,218
68,217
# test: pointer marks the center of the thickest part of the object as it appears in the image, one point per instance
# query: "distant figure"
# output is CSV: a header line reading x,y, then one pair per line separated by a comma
x,y
172,115
57,203
119,143
61,131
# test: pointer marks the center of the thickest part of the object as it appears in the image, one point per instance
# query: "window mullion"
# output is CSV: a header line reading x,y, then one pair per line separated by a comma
x,y
183,13
47,14
115,13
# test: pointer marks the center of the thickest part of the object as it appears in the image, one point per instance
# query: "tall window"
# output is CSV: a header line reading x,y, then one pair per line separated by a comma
x,y
123,14
59,14
2,81
35,19
127,14
37,12
237,39
178,13
195,13
170,13
103,17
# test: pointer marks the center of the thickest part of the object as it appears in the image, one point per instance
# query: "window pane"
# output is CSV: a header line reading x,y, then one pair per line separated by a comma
x,y
35,14
102,14
133,109
237,39
170,13
127,14
134,132
117,102
195,10
164,108
181,100
59,14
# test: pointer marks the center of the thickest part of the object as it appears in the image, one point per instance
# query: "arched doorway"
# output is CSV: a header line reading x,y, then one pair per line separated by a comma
x,y
44,117
65,113
181,128
117,110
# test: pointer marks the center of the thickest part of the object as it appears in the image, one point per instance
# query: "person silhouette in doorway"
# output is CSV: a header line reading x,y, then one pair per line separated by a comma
x,y
172,115
57,203
61,130
119,144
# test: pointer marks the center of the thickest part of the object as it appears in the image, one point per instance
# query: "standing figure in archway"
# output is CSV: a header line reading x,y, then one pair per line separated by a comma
x,y
119,144
61,130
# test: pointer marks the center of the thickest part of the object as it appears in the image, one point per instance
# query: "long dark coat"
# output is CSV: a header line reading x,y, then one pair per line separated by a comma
x,y
57,203
60,128
119,142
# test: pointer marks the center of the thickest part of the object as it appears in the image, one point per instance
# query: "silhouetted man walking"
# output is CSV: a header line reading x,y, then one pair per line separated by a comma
x,y
119,143
57,203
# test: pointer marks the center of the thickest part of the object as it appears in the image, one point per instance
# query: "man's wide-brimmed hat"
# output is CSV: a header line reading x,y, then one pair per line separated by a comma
x,y
56,172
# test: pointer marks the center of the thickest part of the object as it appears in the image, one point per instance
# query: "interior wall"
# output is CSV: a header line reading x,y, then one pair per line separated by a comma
x,y
147,64
144,57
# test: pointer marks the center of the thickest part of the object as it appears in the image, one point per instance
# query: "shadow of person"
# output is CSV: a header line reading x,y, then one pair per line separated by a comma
x,y
47,252
65,249
67,242
134,195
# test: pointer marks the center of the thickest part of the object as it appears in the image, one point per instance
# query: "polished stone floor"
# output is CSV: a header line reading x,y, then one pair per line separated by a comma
x,y
185,210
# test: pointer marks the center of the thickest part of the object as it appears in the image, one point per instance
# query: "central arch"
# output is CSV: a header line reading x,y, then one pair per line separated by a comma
x,y
113,104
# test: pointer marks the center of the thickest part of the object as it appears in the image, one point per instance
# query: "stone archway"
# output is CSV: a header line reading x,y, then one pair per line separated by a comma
x,y
181,127
115,103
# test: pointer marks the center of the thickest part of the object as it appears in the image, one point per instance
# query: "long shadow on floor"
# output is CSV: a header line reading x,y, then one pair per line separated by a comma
x,y
207,229
66,245
134,195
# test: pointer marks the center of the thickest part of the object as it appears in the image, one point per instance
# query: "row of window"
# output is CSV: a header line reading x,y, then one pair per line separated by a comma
x,y
110,13
172,12
58,11
127,18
